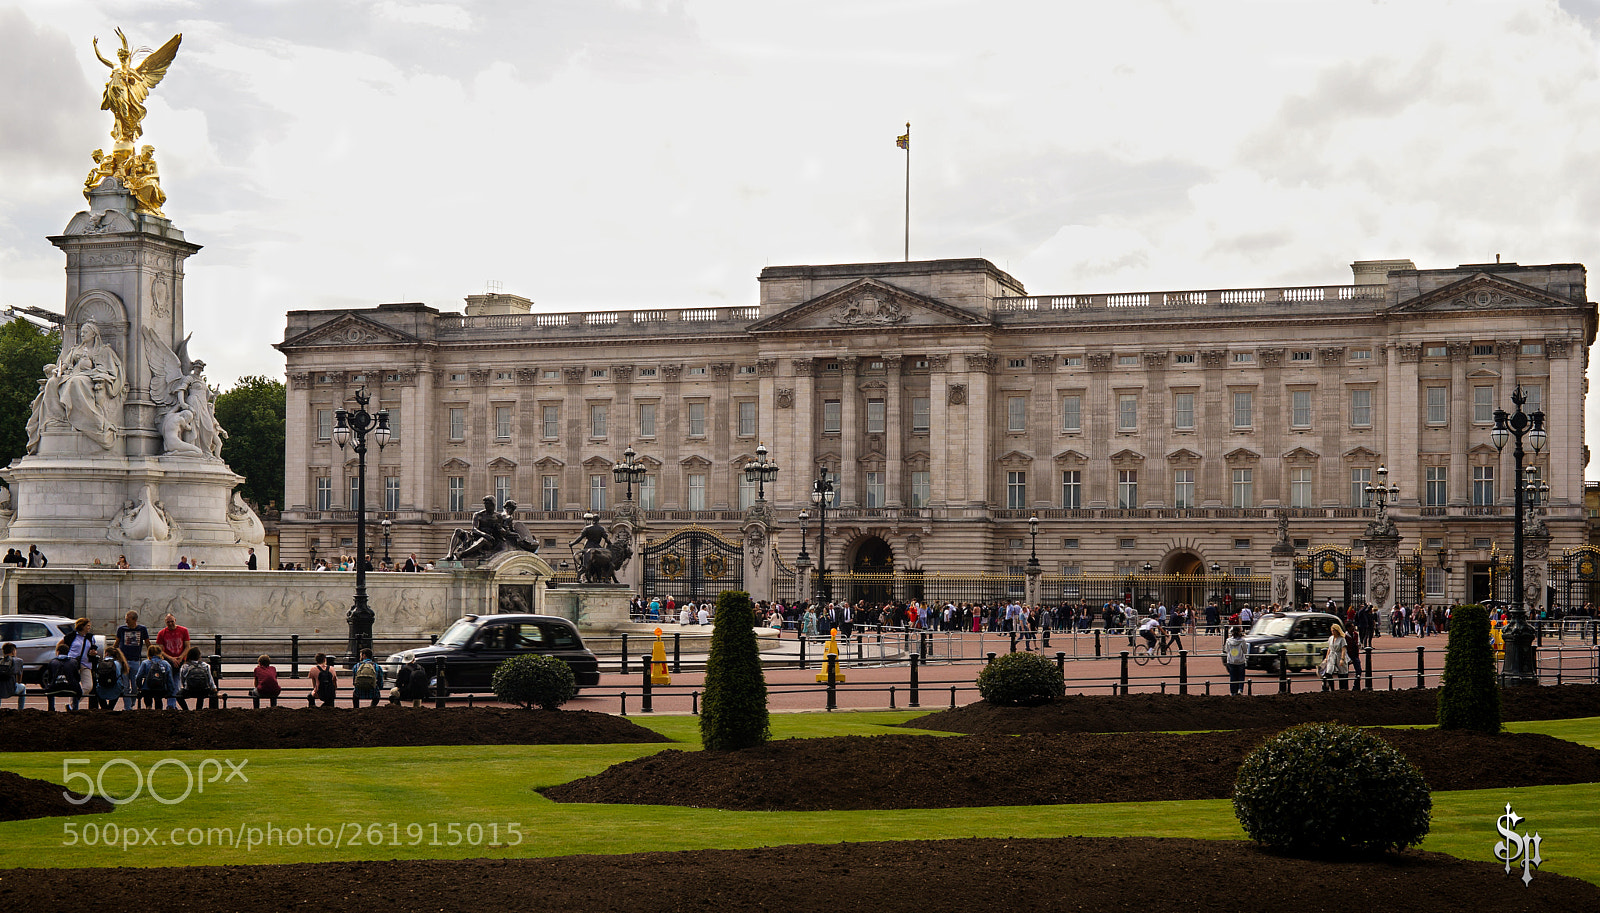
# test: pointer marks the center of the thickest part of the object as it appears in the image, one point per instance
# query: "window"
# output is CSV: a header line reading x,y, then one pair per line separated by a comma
x,y
838,489
1436,352
1300,408
597,419
456,487
1071,413
324,424
1300,487
1128,543
647,419
458,377
1483,485
1535,396
394,422
1069,543
458,423
647,492
1016,413
1482,349
1127,411
597,491
1127,360
502,375
1183,488
355,491
876,416
1434,492
1072,489
751,369
1300,355
1072,361
502,423
1361,408
830,416
391,493
874,489
1532,348
1127,488
550,492
1243,488
1483,405
1482,542
647,372
696,371
1016,362
551,422
502,490
697,491
1183,358
1434,581
921,487
1183,411
324,493
747,492
1360,354
919,414
550,374
1243,405
1242,545
1017,490
1438,405
597,372
697,419
1244,358
1359,480
747,418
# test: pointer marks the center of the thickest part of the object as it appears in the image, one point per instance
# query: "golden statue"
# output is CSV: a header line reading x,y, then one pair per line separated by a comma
x,y
126,89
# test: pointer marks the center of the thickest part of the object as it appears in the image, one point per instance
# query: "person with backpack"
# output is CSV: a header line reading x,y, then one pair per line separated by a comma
x,y
1235,655
366,680
267,687
60,676
79,643
11,675
156,681
111,680
195,680
411,682
324,681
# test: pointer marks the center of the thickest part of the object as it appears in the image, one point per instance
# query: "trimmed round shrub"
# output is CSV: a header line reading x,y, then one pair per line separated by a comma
x,y
1469,695
1328,789
535,681
733,707
1021,679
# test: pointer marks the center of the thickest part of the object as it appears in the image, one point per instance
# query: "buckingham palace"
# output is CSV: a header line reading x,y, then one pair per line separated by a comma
x,y
1168,435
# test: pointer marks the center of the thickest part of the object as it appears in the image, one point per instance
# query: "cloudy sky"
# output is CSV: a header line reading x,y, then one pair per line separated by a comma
x,y
596,154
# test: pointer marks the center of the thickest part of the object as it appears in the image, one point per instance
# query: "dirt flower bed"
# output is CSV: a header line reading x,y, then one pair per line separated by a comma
x,y
22,797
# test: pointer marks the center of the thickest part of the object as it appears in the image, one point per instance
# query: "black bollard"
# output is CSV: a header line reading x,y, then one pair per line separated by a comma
x,y
441,689
646,704
1124,671
1061,664
294,656
802,651
625,654
217,642
1283,671
1367,663
1421,679
1096,643
1183,671
916,660
677,652
991,656
1013,641
833,681
215,661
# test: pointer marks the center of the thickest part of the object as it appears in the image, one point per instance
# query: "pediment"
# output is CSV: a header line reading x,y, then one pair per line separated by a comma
x,y
917,456
873,455
348,330
1483,450
692,462
502,463
1483,374
1360,455
1183,456
1302,455
548,463
1127,456
1071,456
597,464
1241,455
1482,292
455,464
867,304
1014,458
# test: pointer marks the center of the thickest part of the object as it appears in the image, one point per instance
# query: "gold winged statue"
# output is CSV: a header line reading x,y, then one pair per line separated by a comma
x,y
126,90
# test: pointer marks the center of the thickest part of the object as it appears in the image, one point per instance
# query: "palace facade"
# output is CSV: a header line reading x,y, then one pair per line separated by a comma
x,y
1159,432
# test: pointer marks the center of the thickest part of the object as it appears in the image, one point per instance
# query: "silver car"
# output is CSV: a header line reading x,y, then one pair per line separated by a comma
x,y
36,637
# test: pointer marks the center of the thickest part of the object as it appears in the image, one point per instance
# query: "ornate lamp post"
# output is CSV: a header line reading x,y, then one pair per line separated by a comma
x,y
1520,667
1216,592
803,556
354,427
628,471
1033,546
1382,493
761,471
821,492
387,524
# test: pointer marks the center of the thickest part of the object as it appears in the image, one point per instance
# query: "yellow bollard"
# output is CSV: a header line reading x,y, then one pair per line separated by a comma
x,y
658,662
832,649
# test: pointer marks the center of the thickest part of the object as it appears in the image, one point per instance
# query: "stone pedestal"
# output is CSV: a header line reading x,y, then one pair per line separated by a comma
x,y
1383,567
590,606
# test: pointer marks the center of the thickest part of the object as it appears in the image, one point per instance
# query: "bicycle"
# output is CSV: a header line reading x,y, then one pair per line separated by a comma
x,y
1162,654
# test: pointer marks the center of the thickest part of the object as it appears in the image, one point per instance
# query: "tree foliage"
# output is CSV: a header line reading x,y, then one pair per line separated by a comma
x,y
253,415
733,710
1469,696
25,349
532,681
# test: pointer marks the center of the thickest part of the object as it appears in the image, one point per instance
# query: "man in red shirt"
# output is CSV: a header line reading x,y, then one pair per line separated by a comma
x,y
173,641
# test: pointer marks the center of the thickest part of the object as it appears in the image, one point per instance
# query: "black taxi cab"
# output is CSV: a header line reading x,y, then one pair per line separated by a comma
x,y
1303,636
473,647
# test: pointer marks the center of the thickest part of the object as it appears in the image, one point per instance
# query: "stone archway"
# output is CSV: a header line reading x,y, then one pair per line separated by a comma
x,y
872,569
1175,590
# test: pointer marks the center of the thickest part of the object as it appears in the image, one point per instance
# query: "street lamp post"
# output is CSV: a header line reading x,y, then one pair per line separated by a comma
x,y
354,427
387,524
628,471
1216,584
821,492
1521,667
803,556
1033,546
761,471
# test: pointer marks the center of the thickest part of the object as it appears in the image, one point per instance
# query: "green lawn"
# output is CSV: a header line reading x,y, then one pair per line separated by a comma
x,y
415,795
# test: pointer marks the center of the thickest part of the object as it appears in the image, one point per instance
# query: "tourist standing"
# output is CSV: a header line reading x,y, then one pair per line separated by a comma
x,y
1235,655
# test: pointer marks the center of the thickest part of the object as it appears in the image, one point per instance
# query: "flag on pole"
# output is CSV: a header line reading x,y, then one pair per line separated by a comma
x,y
904,141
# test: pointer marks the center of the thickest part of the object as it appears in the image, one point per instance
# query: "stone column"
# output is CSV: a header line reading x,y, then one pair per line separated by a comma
x,y
1402,420
1383,563
1034,572
1460,424
895,427
849,432
980,450
758,564
939,426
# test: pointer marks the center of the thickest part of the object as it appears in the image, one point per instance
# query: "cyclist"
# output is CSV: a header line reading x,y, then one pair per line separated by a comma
x,y
1149,630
